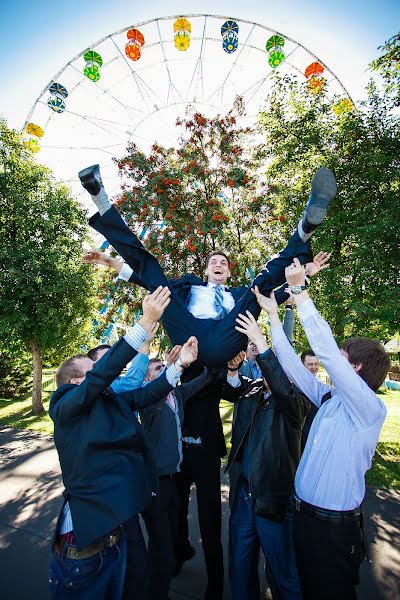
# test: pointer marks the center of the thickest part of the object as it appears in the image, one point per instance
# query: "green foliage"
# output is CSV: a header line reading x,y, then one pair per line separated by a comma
x,y
15,374
45,289
359,294
388,65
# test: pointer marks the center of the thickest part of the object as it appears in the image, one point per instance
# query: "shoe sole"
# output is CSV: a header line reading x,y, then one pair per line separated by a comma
x,y
323,191
85,172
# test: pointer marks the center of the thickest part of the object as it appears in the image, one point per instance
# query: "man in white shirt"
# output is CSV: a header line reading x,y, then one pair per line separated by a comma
x,y
329,483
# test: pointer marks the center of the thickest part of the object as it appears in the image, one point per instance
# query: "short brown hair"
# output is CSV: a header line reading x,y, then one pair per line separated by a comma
x,y
218,253
69,370
372,356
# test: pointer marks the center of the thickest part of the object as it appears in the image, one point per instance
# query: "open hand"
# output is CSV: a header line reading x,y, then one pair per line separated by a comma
x,y
248,325
153,306
172,355
295,274
96,257
189,351
319,263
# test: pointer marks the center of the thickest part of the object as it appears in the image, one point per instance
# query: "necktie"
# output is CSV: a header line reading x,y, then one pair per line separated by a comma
x,y
219,298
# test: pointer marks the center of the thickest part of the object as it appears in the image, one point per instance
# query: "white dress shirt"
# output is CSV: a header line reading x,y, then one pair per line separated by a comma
x,y
345,431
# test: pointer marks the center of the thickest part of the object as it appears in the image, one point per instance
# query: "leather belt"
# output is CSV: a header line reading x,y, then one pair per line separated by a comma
x,y
63,549
324,514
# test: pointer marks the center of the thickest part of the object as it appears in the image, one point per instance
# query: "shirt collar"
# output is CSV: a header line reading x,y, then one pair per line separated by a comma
x,y
214,285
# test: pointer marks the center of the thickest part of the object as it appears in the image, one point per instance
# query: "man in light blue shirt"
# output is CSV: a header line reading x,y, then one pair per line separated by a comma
x,y
329,483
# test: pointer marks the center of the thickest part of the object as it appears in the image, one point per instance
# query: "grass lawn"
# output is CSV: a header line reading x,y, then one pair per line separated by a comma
x,y
385,471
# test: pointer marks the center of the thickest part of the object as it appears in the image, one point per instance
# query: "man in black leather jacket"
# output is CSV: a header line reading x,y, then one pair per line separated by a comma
x,y
265,453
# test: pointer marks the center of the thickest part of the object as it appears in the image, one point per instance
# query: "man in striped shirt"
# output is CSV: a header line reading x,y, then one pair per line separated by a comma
x,y
329,483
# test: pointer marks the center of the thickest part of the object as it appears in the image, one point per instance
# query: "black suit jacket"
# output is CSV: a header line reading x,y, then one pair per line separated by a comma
x,y
101,446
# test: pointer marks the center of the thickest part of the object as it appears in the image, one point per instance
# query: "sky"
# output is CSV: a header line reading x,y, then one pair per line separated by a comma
x,y
38,38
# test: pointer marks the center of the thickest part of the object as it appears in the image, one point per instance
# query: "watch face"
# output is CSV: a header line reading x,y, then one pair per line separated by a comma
x,y
297,289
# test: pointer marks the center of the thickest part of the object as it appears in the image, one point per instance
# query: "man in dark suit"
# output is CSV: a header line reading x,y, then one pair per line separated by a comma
x,y
102,457
207,310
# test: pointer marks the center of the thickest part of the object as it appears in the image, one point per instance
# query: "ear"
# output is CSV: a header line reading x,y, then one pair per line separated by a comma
x,y
75,381
357,368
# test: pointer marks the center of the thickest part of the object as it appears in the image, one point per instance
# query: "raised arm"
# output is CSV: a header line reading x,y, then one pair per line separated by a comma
x,y
287,357
80,398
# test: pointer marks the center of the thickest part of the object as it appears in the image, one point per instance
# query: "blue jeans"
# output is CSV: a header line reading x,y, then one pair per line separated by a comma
x,y
100,577
247,532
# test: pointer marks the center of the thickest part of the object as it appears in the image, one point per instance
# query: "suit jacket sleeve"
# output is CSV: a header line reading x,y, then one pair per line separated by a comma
x,y
191,388
151,393
291,401
80,398
233,394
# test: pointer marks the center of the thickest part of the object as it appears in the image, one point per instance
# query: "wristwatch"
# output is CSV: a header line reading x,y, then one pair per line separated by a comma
x,y
297,289
180,363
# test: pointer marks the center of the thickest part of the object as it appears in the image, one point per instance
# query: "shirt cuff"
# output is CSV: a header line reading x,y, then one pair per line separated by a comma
x,y
233,380
173,375
125,273
136,336
307,309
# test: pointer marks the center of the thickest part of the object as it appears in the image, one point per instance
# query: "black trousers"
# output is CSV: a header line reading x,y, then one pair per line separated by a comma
x,y
218,339
200,468
328,557
148,576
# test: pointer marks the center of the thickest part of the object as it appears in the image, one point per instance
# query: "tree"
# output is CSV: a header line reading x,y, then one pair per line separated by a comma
x,y
359,294
204,195
46,296
388,65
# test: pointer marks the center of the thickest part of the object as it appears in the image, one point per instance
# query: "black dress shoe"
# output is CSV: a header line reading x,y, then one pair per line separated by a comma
x,y
188,554
91,179
323,191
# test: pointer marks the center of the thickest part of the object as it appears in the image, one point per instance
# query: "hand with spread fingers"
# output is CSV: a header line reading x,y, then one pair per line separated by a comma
x,y
153,307
295,274
319,263
248,325
269,304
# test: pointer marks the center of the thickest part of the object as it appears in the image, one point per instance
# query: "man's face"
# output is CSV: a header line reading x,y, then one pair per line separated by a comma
x,y
84,365
252,351
153,370
312,364
218,270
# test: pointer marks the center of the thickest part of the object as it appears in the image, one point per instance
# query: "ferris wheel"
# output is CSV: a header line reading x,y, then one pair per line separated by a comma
x,y
133,84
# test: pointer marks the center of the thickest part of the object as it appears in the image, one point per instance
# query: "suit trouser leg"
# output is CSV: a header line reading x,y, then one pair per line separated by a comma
x,y
328,557
136,575
160,547
205,472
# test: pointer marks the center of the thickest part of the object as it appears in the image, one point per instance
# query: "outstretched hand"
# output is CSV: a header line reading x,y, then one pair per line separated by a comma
x,y
172,355
189,351
248,325
95,257
153,306
319,263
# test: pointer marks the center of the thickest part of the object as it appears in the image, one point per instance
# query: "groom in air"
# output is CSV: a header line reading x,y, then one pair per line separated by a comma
x,y
209,309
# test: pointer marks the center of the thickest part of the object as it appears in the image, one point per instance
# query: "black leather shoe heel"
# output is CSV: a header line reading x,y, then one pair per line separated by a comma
x,y
91,179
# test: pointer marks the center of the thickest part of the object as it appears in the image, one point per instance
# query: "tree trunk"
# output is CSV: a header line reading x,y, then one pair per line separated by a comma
x,y
37,406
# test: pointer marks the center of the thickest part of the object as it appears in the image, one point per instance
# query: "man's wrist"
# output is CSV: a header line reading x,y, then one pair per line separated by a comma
x,y
302,297
180,364
146,324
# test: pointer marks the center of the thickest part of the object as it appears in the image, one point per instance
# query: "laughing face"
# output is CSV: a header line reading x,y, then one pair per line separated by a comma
x,y
217,270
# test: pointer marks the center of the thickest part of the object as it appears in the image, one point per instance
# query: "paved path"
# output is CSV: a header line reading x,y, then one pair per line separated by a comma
x,y
30,497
